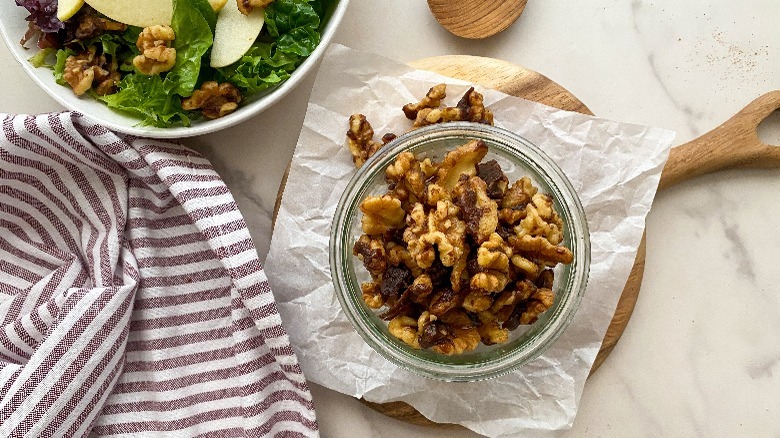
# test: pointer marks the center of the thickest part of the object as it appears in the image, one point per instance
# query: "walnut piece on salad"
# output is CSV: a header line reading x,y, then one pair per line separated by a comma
x,y
156,57
213,99
85,69
457,255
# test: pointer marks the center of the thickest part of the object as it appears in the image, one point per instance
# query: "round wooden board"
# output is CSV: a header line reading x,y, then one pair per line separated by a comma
x,y
521,82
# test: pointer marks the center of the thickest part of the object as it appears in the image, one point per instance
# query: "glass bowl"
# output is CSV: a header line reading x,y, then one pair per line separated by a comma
x,y
518,157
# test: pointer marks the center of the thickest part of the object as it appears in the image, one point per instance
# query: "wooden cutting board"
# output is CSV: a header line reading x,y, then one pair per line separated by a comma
x,y
733,144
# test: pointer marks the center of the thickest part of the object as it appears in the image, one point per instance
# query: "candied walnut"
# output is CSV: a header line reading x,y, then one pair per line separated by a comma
x,y
431,100
467,257
433,332
381,214
89,25
372,253
493,260
246,6
405,329
443,301
435,194
371,295
441,229
85,69
477,301
459,275
541,220
398,255
420,289
519,194
408,175
530,269
458,319
479,211
394,281
464,340
510,216
156,57
470,108
539,302
495,179
360,139
462,160
213,99
546,279
541,249
490,331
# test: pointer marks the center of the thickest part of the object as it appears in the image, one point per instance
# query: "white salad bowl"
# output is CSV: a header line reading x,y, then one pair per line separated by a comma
x,y
13,27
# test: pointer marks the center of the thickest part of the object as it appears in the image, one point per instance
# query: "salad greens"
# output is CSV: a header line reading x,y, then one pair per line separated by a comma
x,y
291,33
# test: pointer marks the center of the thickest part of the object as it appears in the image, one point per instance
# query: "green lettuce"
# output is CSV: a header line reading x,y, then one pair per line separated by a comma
x,y
147,98
293,25
157,100
59,66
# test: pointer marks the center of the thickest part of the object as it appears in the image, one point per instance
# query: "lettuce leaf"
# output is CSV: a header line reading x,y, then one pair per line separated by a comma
x,y
293,27
146,97
59,66
294,24
193,40
157,100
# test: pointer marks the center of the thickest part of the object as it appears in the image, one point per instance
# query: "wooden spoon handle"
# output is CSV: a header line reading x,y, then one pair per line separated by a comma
x,y
733,144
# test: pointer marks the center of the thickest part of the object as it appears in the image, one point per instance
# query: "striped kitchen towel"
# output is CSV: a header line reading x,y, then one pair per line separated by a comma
x,y
132,301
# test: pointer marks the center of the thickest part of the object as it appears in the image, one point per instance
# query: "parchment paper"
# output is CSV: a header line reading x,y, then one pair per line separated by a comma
x,y
614,167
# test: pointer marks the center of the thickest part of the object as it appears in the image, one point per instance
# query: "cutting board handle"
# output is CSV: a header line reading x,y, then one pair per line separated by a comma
x,y
733,144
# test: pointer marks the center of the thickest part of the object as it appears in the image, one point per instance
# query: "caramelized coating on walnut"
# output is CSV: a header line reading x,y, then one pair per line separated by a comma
x,y
457,255
431,100
213,99
88,24
470,108
461,161
246,6
156,56
381,214
360,139
479,211
86,69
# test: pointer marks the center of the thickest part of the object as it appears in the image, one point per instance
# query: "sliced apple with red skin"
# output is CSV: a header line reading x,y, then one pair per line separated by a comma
x,y
68,8
235,34
141,13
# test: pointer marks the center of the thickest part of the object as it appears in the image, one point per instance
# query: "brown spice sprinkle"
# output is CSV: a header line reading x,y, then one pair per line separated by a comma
x,y
457,255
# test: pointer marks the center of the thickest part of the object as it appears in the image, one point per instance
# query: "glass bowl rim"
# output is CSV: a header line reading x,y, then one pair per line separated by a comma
x,y
356,311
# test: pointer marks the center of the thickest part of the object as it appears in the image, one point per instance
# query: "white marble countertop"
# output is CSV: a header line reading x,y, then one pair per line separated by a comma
x,y
701,354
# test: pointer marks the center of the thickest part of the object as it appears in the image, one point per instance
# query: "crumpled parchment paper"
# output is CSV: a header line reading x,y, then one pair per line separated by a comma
x,y
615,168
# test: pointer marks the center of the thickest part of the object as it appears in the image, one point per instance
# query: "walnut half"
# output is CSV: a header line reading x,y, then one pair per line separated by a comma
x,y
213,99
156,57
86,69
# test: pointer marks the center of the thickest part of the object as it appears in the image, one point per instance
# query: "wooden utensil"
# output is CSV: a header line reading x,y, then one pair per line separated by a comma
x,y
476,19
734,144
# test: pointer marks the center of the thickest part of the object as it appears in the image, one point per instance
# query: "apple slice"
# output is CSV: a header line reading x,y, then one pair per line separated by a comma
x,y
235,34
141,13
68,8
217,5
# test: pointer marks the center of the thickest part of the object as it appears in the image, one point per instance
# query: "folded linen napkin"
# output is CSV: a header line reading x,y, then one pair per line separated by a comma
x,y
132,301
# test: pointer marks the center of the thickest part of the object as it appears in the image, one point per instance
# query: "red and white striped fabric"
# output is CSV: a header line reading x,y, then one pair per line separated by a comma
x,y
132,301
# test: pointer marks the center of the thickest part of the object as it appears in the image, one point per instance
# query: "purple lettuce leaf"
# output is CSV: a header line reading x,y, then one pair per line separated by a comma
x,y
43,13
